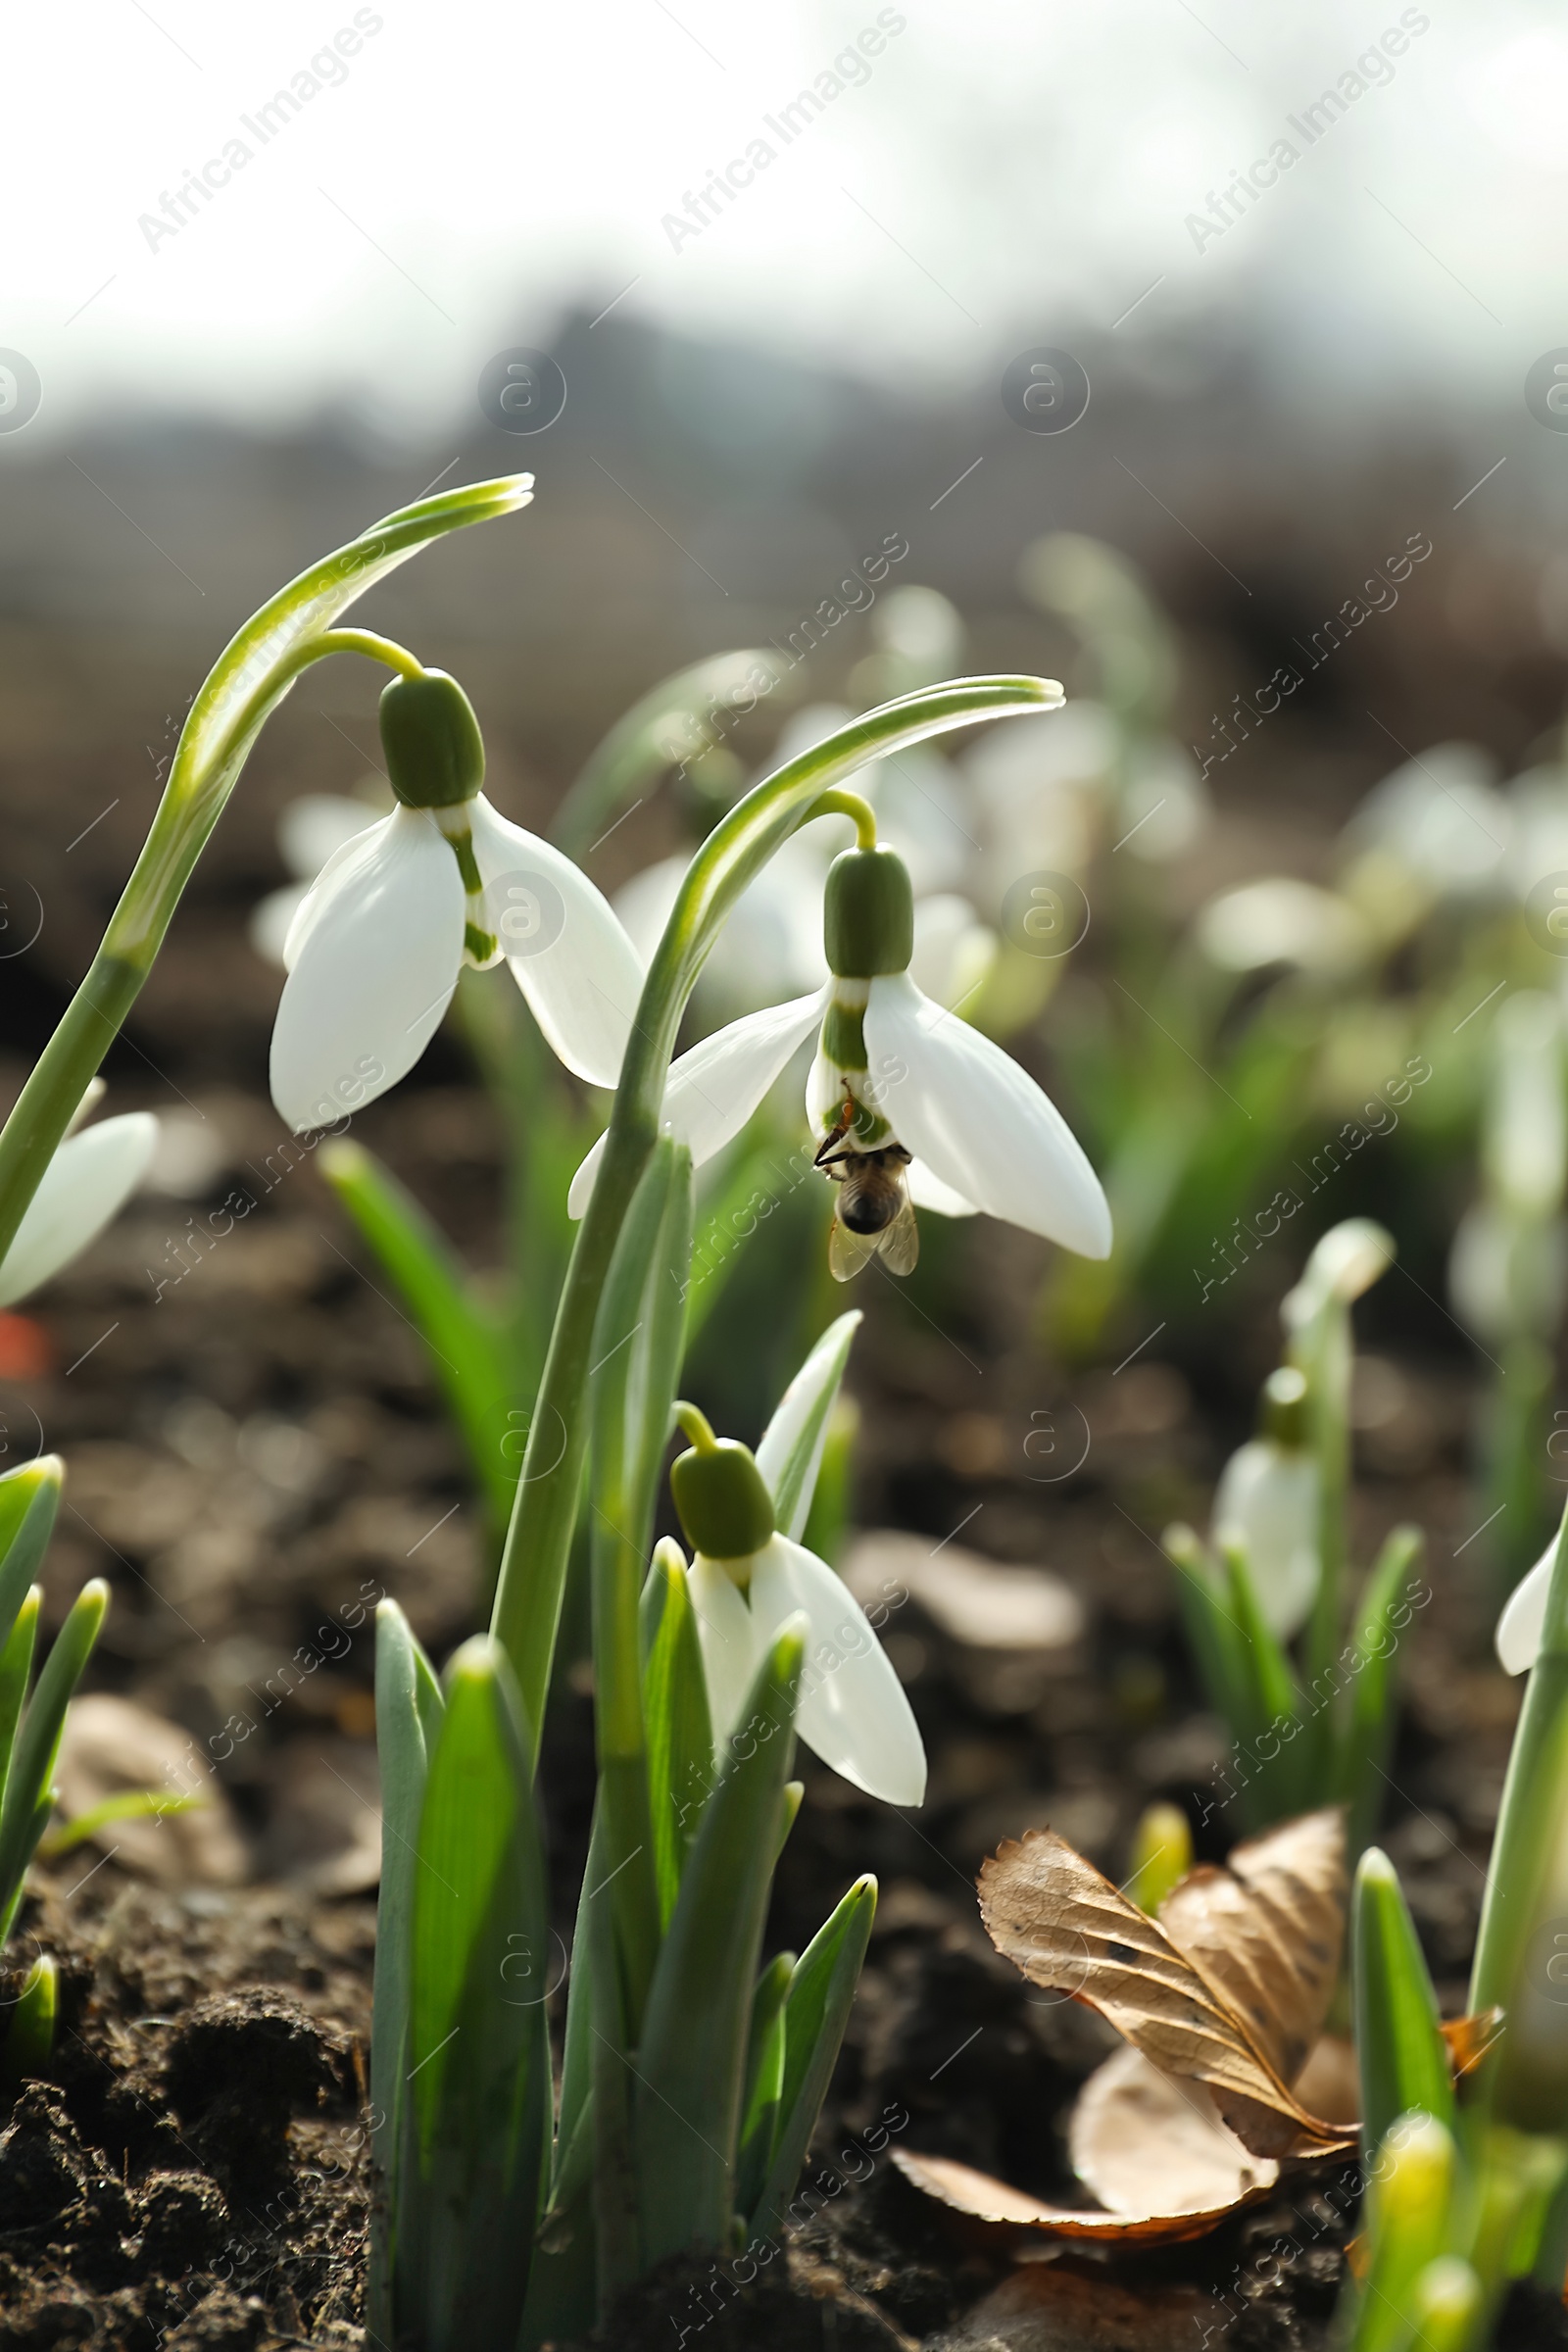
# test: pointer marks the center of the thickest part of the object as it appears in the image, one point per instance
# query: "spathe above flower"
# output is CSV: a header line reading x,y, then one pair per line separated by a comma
x,y
85,1185
894,1073
746,1581
375,949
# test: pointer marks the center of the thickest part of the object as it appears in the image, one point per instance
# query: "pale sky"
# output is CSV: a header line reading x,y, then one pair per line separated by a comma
x,y
996,175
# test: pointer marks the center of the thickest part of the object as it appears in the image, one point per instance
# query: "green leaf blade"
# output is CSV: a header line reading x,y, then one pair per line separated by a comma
x,y
693,2053
1401,2052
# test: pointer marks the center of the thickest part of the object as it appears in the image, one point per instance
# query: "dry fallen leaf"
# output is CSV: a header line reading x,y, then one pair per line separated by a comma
x,y
1216,2015
1220,2001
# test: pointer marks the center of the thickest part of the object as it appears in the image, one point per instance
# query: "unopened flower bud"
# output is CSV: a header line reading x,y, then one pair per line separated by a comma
x,y
867,915
721,1495
435,751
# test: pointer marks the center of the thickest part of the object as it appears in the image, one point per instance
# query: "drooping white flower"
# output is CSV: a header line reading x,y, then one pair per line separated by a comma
x,y
88,1181
1268,1506
979,1131
374,950
746,1581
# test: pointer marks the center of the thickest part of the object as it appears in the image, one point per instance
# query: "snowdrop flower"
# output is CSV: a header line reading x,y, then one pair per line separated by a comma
x,y
896,1078
374,950
1268,1504
747,1581
85,1185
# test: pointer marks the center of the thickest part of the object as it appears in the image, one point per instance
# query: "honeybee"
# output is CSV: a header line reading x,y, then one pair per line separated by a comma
x,y
872,1214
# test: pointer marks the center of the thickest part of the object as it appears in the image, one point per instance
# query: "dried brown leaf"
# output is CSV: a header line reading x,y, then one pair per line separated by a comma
x,y
985,2199
1067,1929
1266,1931
1147,2143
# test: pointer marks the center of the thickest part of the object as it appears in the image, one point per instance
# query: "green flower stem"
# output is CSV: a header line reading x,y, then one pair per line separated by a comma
x,y
1533,1806
245,685
533,1566
849,804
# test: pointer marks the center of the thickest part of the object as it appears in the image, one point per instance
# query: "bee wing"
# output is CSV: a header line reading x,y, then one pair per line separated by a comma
x,y
899,1245
848,1252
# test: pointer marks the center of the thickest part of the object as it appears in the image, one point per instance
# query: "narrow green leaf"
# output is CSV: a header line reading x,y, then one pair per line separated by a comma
x,y
1216,1638
1367,1739
128,1804
29,1498
673,722
680,1736
790,1454
815,2014
478,2068
637,1345
15,1668
764,2081
408,1712
28,1800
1409,2212
693,2055
460,1338
1401,2052
1531,1817
1272,1698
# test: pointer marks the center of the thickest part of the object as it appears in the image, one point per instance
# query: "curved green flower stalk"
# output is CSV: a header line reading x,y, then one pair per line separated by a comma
x,y
533,1567
245,685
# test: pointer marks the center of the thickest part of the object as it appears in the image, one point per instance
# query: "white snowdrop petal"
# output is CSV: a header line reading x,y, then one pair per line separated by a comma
x,y
730,1642
566,949
89,1181
714,1090
852,1713
373,974
1266,1503
337,874
1523,1620
981,1124
927,1191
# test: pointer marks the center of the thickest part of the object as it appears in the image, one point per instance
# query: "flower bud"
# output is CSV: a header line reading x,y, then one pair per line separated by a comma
x,y
721,1499
867,915
435,751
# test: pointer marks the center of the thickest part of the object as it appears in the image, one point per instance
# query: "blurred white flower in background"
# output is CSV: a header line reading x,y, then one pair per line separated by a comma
x,y
1508,1268
1282,920
85,1185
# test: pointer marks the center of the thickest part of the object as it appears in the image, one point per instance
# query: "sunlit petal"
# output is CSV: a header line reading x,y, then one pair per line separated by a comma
x,y
982,1125
853,1711
731,1643
337,872
714,1090
1523,1621
927,1191
372,975
569,953
89,1181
